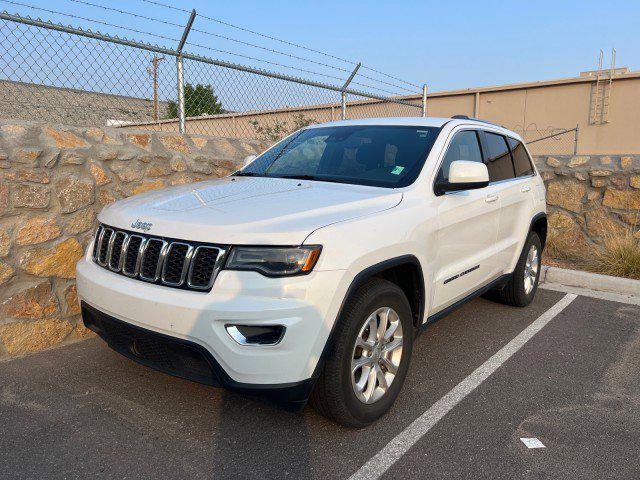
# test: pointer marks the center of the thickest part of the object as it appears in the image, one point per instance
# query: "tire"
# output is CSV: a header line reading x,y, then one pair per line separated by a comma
x,y
335,394
516,292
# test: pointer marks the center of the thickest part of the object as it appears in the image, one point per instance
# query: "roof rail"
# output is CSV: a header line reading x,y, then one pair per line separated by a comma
x,y
467,117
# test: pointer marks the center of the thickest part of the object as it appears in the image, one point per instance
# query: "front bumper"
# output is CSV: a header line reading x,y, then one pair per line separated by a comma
x,y
180,358
306,305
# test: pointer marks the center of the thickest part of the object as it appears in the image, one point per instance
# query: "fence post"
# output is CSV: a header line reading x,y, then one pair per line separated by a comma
x,y
343,109
343,115
182,124
575,140
182,127
424,100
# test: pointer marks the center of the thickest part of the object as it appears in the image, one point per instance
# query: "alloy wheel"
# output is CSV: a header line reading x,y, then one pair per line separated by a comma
x,y
376,355
531,267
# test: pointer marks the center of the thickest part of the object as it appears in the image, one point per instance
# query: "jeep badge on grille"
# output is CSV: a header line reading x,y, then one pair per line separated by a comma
x,y
144,226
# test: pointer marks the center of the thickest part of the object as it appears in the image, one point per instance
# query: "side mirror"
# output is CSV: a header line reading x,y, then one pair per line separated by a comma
x,y
248,160
464,175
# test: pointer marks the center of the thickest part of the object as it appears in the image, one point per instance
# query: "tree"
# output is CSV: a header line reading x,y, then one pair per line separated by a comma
x,y
198,100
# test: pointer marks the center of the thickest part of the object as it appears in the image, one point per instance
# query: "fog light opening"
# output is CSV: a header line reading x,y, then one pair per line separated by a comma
x,y
256,334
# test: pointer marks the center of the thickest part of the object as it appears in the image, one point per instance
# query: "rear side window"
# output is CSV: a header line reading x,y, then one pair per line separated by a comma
x,y
521,160
464,146
499,161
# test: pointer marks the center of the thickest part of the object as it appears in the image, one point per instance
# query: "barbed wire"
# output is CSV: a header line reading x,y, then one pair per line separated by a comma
x,y
67,74
176,40
286,42
242,42
78,17
198,58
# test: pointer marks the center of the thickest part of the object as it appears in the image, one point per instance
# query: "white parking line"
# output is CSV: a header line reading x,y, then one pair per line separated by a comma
x,y
397,447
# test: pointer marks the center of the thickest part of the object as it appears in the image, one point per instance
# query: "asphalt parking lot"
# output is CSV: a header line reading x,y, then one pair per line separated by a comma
x,y
84,411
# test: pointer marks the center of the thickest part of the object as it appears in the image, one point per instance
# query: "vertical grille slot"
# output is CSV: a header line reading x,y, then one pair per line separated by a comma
x,y
96,242
103,249
131,260
176,263
151,261
203,265
115,255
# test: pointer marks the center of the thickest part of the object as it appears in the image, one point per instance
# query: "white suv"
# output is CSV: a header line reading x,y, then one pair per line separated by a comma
x,y
307,274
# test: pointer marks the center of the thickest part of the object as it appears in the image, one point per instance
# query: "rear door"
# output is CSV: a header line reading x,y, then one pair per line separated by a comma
x,y
511,172
466,230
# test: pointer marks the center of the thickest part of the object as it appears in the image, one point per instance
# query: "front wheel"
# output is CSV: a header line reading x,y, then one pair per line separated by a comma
x,y
369,360
523,284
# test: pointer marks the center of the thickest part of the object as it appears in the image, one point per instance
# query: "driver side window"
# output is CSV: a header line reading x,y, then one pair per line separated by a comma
x,y
464,146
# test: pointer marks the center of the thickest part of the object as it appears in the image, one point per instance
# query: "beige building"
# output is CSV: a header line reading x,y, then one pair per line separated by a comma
x,y
605,106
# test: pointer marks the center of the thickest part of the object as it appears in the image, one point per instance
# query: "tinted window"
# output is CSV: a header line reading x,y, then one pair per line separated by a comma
x,y
464,146
379,155
521,160
499,160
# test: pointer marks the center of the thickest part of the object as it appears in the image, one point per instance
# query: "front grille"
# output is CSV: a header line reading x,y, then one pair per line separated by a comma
x,y
164,261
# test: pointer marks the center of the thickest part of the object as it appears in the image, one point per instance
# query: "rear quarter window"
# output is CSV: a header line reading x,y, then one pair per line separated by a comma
x,y
521,160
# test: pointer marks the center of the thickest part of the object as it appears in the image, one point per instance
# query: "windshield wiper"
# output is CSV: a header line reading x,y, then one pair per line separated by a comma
x,y
297,177
309,177
240,173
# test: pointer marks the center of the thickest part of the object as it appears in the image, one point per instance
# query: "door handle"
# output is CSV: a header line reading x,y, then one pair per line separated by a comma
x,y
492,197
525,188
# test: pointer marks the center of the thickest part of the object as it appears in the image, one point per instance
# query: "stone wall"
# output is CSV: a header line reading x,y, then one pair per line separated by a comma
x,y
590,198
53,182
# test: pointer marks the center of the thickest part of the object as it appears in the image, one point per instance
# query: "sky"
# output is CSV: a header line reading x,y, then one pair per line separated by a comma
x,y
445,44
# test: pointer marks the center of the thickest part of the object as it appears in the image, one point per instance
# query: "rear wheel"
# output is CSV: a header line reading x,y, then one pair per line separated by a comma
x,y
523,284
368,364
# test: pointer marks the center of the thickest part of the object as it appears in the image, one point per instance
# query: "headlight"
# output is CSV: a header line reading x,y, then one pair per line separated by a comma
x,y
274,261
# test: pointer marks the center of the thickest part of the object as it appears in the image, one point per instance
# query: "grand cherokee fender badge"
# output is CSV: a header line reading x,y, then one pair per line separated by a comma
x,y
144,226
455,277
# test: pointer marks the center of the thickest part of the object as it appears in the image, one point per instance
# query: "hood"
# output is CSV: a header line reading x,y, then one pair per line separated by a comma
x,y
245,210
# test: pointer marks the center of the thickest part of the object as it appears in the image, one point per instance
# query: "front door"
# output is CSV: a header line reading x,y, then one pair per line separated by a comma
x,y
467,257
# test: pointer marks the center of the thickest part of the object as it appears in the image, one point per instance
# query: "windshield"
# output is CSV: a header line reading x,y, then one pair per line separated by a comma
x,y
377,155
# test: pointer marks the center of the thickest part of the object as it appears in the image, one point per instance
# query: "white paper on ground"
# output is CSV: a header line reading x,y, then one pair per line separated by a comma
x,y
532,443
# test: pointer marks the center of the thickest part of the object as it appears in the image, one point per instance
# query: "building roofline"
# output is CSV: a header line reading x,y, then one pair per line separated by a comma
x,y
520,86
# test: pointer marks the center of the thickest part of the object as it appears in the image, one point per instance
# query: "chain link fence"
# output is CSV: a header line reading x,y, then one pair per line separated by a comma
x,y
550,140
78,77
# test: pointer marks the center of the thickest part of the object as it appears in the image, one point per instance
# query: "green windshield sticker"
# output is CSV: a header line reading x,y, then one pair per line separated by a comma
x,y
397,170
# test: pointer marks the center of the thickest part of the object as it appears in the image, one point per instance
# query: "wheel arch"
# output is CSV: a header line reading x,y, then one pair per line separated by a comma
x,y
406,273
540,226
386,269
